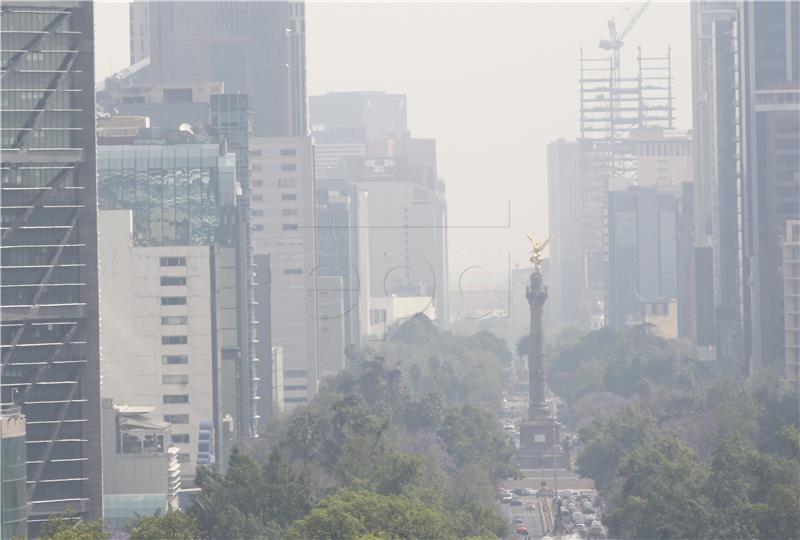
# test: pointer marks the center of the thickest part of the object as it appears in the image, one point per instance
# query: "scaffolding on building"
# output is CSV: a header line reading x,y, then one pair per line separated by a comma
x,y
612,106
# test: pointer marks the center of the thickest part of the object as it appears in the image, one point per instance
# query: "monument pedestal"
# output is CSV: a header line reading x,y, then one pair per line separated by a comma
x,y
540,445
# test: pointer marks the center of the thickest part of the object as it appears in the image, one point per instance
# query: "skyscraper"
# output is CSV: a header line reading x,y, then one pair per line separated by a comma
x,y
251,46
641,253
283,227
363,137
769,52
183,284
718,227
48,260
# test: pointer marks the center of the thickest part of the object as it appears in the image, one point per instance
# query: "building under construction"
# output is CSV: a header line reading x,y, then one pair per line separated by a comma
x,y
613,104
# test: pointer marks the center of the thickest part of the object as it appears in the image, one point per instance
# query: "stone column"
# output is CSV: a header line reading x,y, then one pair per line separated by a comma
x,y
536,295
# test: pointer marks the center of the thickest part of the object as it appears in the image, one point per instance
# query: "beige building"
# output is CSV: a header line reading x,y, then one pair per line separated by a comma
x,y
663,158
158,332
791,299
282,216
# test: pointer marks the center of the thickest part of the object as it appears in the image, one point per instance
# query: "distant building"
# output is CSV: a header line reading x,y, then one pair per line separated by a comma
x,y
342,240
769,86
282,205
663,158
142,472
567,284
718,254
13,474
251,46
167,105
362,138
641,253
48,261
791,299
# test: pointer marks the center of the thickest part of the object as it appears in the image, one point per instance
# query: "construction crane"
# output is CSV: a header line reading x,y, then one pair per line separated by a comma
x,y
616,40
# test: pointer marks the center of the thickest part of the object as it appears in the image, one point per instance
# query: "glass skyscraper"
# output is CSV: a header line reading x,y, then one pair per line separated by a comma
x,y
48,256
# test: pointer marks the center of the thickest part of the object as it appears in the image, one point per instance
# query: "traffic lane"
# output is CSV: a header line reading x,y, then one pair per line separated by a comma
x,y
530,517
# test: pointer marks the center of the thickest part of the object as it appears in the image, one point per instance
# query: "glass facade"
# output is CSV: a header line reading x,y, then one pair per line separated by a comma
x,y
178,193
48,257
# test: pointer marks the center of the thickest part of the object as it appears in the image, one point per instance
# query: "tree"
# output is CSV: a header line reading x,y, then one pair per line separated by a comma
x,y
661,496
609,440
171,526
356,514
70,527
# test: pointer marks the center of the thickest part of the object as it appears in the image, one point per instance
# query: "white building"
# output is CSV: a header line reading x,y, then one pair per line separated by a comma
x,y
282,216
158,331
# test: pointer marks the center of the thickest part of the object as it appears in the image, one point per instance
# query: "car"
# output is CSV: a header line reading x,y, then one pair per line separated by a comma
x,y
517,520
518,491
528,492
515,501
530,506
522,529
580,527
506,499
588,518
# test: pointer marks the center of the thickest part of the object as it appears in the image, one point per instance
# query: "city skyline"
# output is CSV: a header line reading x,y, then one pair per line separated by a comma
x,y
516,105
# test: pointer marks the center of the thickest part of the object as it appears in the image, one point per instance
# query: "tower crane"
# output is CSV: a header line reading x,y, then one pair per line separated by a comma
x,y
615,40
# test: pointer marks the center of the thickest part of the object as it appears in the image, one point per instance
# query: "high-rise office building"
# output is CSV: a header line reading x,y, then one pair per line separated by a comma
x,y
362,137
791,300
342,239
642,256
568,302
183,283
719,307
48,260
769,86
282,203
251,46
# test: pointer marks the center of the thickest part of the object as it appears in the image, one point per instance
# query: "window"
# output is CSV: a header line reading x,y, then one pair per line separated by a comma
x,y
288,167
286,182
175,398
288,227
176,418
258,198
180,438
258,213
288,152
174,340
254,153
176,320
168,281
257,183
295,373
174,379
183,457
289,197
172,359
293,271
289,387
173,300
289,212
173,261
258,227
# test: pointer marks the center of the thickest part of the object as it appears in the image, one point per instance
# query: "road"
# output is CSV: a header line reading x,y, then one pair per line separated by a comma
x,y
530,517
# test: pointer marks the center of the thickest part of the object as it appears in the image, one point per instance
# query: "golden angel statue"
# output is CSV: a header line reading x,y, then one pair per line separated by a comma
x,y
536,251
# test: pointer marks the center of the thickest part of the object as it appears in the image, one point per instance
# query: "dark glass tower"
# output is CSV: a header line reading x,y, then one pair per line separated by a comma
x,y
253,47
48,256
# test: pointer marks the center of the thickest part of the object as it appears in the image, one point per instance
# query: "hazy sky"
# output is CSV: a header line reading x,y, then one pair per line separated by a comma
x,y
492,82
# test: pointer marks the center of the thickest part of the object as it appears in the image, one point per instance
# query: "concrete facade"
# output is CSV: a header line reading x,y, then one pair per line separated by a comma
x,y
159,331
282,204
